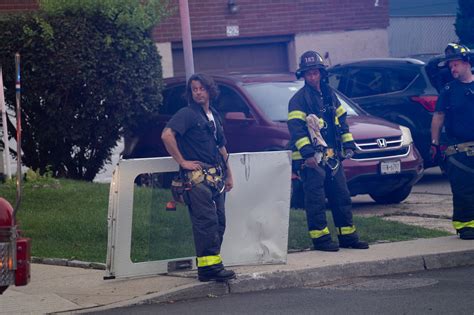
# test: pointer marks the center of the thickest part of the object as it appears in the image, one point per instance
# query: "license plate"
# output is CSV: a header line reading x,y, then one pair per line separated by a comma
x,y
392,167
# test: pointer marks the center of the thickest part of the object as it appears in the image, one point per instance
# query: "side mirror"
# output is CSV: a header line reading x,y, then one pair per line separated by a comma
x,y
238,117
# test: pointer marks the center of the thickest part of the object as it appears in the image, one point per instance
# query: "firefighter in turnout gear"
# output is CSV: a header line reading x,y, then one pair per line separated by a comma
x,y
455,111
318,162
194,137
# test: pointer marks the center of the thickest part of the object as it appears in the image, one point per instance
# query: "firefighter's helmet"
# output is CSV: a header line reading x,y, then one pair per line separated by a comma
x,y
457,52
310,60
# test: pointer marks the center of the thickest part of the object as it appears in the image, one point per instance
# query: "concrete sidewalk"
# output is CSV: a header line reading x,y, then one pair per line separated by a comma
x,y
57,289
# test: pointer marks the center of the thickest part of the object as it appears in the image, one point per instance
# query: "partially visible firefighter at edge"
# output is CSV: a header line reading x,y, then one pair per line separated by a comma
x,y
455,111
194,137
320,140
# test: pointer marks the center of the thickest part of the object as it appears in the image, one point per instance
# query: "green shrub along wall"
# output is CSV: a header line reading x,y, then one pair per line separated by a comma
x,y
89,75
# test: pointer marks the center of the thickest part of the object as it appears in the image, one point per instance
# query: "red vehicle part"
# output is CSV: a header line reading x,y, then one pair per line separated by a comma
x,y
6,216
15,252
23,258
6,252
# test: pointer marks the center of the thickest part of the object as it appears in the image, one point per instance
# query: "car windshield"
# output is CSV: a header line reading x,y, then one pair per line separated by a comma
x,y
273,97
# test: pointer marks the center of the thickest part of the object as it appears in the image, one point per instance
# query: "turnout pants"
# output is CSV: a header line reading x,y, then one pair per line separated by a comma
x,y
319,183
460,170
207,212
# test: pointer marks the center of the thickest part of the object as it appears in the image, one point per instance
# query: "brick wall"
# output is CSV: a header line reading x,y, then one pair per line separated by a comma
x,y
17,5
209,18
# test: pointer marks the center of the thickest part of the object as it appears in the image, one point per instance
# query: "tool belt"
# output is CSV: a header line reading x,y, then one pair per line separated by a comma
x,y
329,153
329,160
178,186
467,147
211,176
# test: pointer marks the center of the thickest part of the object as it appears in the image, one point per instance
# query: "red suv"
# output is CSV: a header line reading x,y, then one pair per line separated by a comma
x,y
254,109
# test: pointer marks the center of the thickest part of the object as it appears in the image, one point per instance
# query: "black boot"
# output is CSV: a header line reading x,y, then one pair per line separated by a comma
x,y
352,241
355,245
466,234
219,276
325,244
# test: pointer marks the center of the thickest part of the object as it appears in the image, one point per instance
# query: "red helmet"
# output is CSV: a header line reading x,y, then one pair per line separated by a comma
x,y
6,214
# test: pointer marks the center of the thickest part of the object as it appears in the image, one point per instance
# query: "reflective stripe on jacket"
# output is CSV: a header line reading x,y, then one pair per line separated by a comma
x,y
299,108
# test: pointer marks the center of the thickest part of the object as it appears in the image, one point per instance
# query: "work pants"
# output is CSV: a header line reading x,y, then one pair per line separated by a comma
x,y
319,183
207,212
460,170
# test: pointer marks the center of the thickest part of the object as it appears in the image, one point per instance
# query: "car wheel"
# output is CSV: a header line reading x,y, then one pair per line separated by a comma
x,y
394,196
3,288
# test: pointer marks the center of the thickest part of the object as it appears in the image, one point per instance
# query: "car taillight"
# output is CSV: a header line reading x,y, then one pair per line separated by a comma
x,y
428,102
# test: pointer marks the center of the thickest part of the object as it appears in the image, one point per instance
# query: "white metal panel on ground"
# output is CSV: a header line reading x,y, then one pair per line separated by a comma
x,y
257,212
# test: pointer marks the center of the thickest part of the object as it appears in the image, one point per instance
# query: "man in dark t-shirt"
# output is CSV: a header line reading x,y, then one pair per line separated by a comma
x,y
194,137
455,111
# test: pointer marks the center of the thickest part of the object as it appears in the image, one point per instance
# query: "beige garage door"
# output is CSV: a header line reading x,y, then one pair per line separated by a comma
x,y
236,56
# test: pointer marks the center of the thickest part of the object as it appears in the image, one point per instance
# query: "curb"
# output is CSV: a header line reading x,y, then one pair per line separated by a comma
x,y
300,278
68,263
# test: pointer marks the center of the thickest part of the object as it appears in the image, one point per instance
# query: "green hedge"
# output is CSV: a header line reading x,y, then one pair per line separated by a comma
x,y
88,76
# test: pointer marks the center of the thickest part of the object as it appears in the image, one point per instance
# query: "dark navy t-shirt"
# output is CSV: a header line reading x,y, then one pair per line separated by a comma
x,y
195,134
456,100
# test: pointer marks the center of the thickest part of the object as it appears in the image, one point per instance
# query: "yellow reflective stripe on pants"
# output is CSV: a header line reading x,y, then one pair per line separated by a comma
x,y
347,137
319,233
345,230
208,260
302,142
459,225
297,114
296,155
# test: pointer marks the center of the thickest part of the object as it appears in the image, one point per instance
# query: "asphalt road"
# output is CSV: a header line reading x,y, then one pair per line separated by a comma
x,y
446,291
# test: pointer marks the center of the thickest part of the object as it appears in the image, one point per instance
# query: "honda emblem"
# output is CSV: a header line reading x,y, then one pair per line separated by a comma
x,y
381,142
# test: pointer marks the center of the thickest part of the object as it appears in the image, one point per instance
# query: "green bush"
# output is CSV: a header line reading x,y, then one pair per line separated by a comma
x,y
465,22
89,73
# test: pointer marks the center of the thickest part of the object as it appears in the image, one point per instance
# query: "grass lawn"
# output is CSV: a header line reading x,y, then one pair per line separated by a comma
x,y
69,220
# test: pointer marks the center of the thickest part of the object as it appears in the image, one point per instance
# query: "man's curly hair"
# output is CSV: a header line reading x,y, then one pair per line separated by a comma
x,y
208,84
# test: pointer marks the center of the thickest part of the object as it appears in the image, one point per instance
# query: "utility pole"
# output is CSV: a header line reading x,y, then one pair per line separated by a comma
x,y
187,41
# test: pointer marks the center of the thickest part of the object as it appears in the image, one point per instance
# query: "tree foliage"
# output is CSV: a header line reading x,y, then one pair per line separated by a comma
x,y
465,22
143,14
89,73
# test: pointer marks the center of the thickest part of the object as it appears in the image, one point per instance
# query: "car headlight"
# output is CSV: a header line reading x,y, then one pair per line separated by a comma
x,y
406,136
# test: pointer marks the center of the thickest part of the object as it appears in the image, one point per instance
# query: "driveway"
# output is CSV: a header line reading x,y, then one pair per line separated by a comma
x,y
429,204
